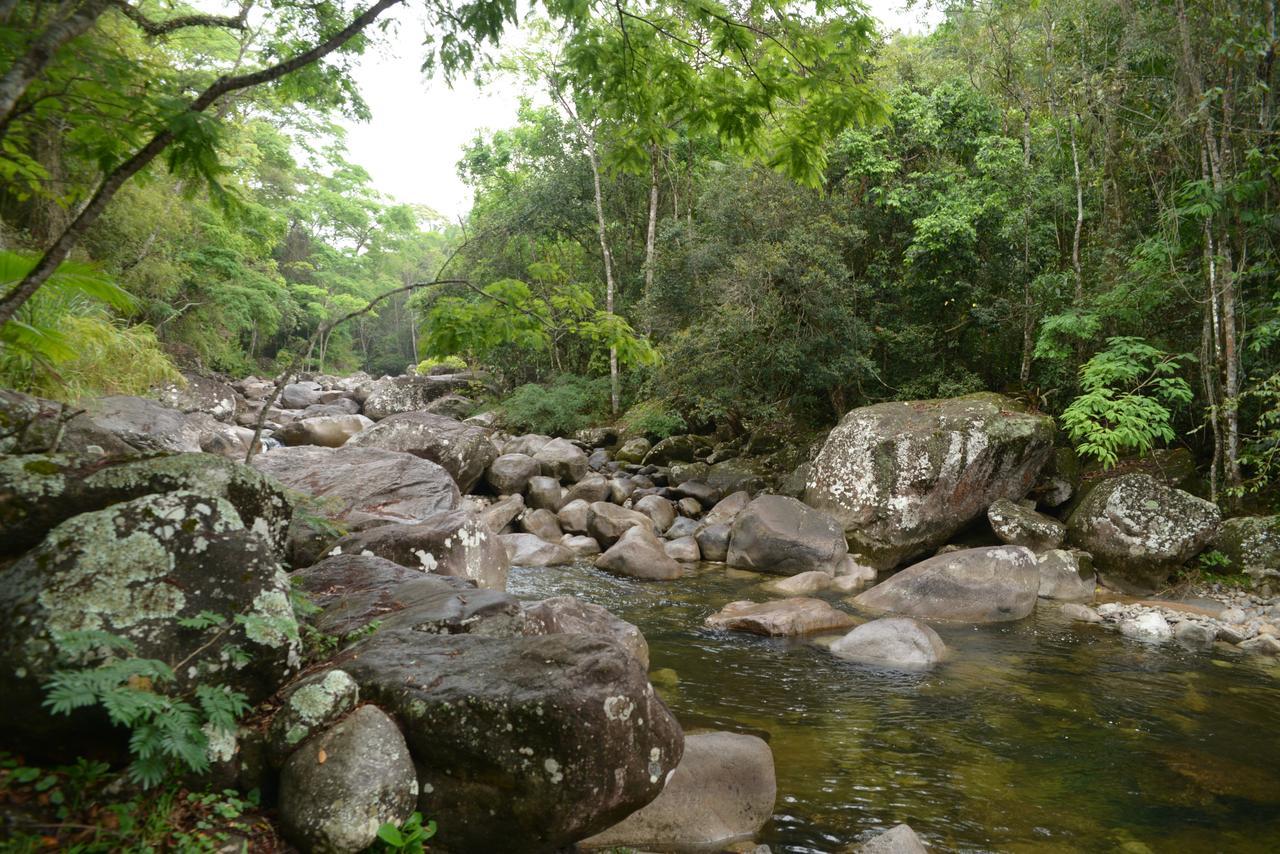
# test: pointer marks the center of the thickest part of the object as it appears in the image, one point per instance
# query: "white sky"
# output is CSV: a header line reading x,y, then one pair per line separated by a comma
x,y
412,144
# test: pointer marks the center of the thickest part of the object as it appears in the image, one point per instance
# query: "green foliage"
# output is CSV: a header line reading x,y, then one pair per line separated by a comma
x,y
452,363
653,418
561,407
408,838
1128,392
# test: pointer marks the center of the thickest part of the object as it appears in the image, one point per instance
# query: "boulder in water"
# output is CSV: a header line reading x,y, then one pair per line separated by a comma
x,y
783,536
797,615
900,643
899,839
1066,576
533,550
986,585
639,554
608,522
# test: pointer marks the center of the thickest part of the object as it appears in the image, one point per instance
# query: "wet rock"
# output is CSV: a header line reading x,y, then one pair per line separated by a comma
x,y
199,393
608,522
464,450
1139,530
541,523
658,509
785,617
1080,613
802,584
902,478
356,484
1195,634
544,493
455,543
328,431
899,839
1066,576
986,585
639,554
899,643
727,509
308,706
135,570
1262,644
592,488
1147,626
633,451
545,740
500,514
713,542
570,616
562,460
337,790
1020,526
580,545
683,549
532,550
783,536
722,790
509,474
394,395
1251,545
574,515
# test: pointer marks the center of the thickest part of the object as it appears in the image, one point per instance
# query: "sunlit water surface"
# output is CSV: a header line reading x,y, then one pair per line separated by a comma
x,y
1038,735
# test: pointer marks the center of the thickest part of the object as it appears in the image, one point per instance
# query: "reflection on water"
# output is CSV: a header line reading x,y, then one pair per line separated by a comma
x,y
1033,736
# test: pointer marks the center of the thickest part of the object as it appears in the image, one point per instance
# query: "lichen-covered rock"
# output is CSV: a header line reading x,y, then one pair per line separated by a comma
x,y
456,543
783,536
135,570
901,478
199,393
675,449
545,740
306,707
338,789
562,460
608,522
357,484
533,550
1018,526
1251,545
410,393
723,790
639,554
327,431
900,643
1139,530
353,591
987,585
1066,576
38,491
736,475
509,474
571,616
29,425
633,450
797,615
127,425
464,450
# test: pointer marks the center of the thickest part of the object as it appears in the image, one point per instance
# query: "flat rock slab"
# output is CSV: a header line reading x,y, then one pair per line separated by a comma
x,y
797,615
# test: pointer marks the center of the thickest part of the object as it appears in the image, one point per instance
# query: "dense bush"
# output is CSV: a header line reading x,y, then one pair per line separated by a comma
x,y
566,404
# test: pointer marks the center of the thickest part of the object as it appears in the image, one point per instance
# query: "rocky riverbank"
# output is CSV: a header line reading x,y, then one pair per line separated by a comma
x,y
534,726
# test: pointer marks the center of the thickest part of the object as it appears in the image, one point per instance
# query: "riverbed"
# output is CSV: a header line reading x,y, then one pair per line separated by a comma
x,y
1039,735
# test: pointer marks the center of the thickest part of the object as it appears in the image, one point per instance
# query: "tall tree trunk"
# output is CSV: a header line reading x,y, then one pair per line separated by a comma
x,y
1075,240
1028,308
615,388
651,235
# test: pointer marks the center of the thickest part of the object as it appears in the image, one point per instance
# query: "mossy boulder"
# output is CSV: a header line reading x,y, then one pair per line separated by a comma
x,y
306,708
136,570
411,393
902,478
533,742
1251,545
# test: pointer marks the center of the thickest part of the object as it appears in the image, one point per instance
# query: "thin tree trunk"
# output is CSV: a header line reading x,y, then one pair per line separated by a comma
x,y
651,236
116,178
1208,370
1028,309
615,395
1075,240
72,19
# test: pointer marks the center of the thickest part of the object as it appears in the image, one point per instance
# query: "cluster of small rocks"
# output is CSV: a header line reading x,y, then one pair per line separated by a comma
x,y
1247,621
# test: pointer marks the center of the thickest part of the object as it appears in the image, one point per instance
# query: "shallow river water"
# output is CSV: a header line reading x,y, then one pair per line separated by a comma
x,y
1038,735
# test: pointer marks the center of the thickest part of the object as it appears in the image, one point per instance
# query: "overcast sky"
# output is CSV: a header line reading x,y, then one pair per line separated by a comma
x,y
419,127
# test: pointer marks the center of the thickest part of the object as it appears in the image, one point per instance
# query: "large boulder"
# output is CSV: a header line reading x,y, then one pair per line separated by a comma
x,y
29,424
675,449
722,791
544,493
545,739
901,478
455,543
138,570
713,542
899,643
126,425
592,488
659,510
562,460
509,474
633,450
1139,530
783,536
1251,544
986,585
528,444
463,449
798,615
410,393
639,554
199,393
328,431
608,522
729,476
357,484
1066,576
1020,526
300,395
355,590
570,616
532,550
339,788
39,491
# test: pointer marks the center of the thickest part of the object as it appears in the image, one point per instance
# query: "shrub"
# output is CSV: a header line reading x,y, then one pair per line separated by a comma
x,y
566,404
652,418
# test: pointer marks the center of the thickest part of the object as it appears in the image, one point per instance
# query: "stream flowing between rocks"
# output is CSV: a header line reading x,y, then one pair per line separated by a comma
x,y
1037,735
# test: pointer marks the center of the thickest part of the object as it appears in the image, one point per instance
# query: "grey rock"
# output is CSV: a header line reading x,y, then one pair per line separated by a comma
x,y
580,545
337,790
306,707
1066,576
563,460
801,584
727,509
395,395
455,543
199,393
1251,545
683,549
574,516
900,643
608,522
783,536
592,488
1149,626
689,507
633,450
328,431
528,445
571,616
682,527
899,839
532,550
299,395
464,450
661,511
509,474
620,489
1018,526
704,493
503,512
985,585
544,493
797,615
1195,634
541,523
675,449
129,425
639,554
902,478
730,476
1080,613
713,541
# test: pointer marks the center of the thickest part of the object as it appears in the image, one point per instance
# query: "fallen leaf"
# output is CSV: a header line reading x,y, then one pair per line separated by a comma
x,y
321,757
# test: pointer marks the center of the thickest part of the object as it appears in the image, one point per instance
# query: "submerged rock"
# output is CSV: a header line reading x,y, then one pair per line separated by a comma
x,y
337,790
802,584
1139,530
723,790
899,839
797,615
464,450
545,740
783,536
608,522
1147,626
986,585
894,642
902,478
